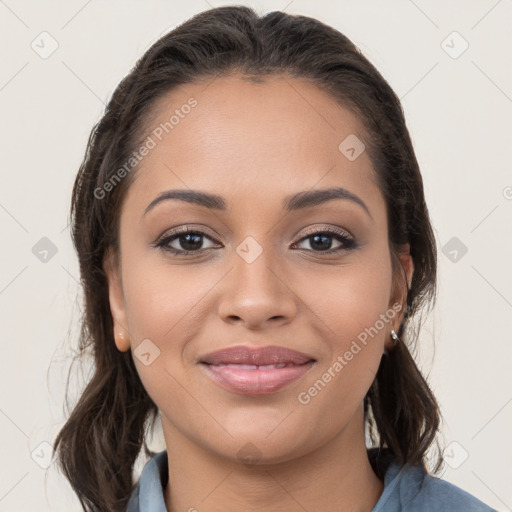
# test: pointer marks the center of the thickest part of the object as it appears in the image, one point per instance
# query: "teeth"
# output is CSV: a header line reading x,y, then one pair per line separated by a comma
x,y
254,366
242,366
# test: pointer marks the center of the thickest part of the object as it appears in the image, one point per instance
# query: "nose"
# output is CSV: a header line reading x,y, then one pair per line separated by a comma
x,y
257,295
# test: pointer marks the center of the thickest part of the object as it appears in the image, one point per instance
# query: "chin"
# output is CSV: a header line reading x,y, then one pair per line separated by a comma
x,y
251,445
260,452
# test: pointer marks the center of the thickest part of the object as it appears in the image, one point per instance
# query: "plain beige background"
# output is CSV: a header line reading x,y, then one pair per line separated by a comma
x,y
458,103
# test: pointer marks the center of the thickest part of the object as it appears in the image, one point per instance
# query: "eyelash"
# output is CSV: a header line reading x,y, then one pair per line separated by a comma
x,y
348,242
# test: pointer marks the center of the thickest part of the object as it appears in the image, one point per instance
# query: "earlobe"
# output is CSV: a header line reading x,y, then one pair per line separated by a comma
x,y
121,340
116,301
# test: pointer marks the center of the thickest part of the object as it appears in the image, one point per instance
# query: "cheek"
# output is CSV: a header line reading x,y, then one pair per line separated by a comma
x,y
350,298
165,305
354,318
162,299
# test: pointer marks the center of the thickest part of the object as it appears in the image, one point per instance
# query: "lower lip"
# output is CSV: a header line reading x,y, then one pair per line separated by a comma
x,y
255,382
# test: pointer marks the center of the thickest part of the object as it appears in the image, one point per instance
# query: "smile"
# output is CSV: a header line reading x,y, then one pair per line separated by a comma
x,y
256,371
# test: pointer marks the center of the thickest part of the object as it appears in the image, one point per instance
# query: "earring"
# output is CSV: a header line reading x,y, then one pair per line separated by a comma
x,y
394,337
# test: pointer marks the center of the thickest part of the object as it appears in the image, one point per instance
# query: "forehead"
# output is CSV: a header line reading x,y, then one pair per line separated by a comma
x,y
275,134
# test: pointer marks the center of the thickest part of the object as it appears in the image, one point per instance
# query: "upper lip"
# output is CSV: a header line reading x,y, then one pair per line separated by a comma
x,y
257,356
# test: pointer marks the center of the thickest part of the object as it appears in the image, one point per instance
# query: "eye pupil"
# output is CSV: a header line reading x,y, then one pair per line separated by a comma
x,y
192,241
319,242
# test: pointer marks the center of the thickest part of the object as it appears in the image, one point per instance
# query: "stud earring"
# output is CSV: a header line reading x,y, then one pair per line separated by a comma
x,y
394,337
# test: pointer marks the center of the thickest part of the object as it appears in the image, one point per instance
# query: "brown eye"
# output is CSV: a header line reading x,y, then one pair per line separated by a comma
x,y
320,241
186,241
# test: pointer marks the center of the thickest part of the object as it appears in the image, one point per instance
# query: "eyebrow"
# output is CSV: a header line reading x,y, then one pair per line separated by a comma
x,y
294,202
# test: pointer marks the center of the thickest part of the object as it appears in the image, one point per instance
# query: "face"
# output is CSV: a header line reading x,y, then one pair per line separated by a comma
x,y
258,269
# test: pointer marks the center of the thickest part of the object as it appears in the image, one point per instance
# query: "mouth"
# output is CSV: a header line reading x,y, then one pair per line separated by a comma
x,y
256,371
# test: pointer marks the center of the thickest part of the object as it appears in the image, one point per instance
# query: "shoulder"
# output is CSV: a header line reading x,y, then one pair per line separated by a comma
x,y
411,489
134,502
147,496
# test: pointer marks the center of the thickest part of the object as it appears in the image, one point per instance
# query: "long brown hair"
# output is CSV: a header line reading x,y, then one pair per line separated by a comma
x,y
106,430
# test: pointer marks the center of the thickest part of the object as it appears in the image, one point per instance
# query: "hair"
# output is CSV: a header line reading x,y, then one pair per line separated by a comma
x,y
98,445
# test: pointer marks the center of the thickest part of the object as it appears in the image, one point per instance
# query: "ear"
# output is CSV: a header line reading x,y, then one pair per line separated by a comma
x,y
403,270
112,270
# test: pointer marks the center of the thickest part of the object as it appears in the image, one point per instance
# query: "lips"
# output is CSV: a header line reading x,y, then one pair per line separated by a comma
x,y
256,371
259,357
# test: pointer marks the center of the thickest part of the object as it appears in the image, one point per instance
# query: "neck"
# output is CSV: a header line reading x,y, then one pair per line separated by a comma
x,y
335,477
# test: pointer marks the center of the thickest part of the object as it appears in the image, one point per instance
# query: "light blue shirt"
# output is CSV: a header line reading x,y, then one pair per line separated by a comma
x,y
410,489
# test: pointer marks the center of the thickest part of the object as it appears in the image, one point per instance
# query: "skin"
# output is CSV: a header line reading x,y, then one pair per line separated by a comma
x,y
255,144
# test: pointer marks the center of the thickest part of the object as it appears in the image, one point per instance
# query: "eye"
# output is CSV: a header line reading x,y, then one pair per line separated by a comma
x,y
321,241
186,241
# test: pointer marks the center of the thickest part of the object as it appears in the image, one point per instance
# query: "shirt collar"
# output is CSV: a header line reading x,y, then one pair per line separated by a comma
x,y
148,495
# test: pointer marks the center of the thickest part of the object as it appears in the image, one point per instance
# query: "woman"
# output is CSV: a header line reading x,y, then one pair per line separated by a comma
x,y
253,241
